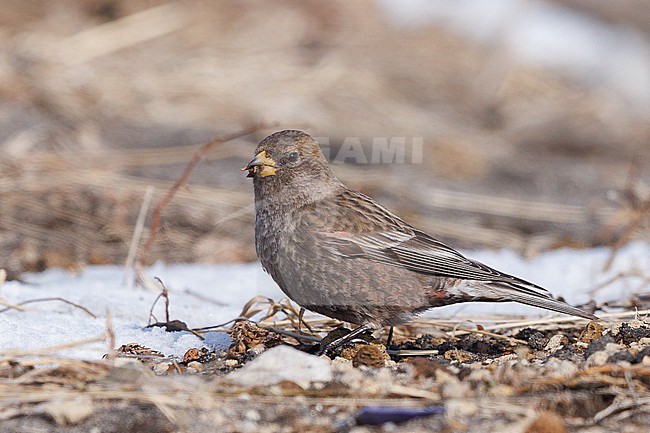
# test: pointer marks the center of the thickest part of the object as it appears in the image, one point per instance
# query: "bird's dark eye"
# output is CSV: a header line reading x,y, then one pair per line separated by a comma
x,y
293,156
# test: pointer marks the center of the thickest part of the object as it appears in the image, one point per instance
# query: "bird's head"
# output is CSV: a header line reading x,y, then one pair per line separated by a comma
x,y
290,162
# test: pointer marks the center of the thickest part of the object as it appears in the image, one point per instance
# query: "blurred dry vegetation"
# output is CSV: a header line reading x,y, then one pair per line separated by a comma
x,y
100,99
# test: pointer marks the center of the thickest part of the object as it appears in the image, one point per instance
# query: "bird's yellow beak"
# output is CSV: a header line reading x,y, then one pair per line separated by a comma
x,y
262,164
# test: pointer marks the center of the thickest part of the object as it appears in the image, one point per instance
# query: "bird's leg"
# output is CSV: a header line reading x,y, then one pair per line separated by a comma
x,y
302,321
389,338
341,341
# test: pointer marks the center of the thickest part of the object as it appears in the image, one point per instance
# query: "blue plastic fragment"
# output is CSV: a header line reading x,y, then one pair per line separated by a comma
x,y
376,415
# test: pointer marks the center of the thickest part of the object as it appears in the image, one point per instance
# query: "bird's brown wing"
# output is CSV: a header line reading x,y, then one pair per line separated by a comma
x,y
352,225
419,252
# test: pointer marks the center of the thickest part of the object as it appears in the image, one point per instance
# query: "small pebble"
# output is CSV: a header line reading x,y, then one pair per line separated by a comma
x,y
556,343
597,359
547,422
194,365
231,363
370,355
163,368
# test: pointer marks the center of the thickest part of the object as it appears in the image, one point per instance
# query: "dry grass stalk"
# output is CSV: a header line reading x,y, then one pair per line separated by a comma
x,y
609,374
137,233
635,211
620,405
48,351
145,281
556,213
110,354
104,39
405,391
637,218
9,305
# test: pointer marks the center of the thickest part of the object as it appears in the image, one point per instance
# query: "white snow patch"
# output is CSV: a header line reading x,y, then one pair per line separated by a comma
x,y
217,294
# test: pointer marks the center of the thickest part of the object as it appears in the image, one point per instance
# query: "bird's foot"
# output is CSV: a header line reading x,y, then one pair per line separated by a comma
x,y
328,346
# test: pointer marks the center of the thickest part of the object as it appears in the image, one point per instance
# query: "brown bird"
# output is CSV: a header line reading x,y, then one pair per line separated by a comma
x,y
337,252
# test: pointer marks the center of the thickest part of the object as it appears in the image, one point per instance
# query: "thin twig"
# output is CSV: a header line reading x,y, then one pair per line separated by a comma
x,y
31,301
215,327
620,275
196,158
296,335
204,298
412,352
151,315
483,332
164,294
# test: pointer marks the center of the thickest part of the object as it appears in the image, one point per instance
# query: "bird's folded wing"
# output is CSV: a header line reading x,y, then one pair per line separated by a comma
x,y
419,252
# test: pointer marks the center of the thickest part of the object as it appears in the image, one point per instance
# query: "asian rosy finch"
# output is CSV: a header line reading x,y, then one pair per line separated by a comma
x,y
337,252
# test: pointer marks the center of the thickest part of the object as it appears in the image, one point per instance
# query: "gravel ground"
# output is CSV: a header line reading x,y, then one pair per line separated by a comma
x,y
580,378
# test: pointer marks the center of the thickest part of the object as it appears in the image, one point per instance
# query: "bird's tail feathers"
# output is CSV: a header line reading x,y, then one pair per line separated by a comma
x,y
519,293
